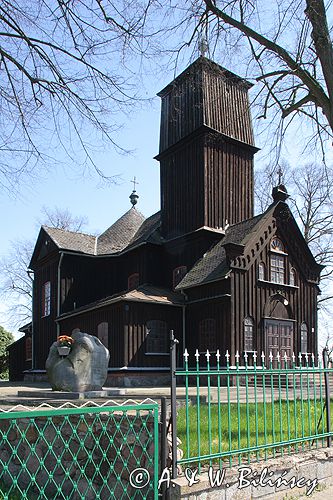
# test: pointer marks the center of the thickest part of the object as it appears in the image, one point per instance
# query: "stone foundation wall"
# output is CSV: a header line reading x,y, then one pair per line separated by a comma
x,y
80,457
301,472
116,379
138,379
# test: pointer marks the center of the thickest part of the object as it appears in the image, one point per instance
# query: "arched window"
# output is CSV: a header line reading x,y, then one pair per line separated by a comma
x,y
28,349
292,277
248,333
178,274
277,245
304,337
262,271
133,281
157,337
103,333
207,335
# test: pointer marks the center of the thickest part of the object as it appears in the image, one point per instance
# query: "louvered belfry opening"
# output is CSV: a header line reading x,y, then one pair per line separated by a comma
x,y
206,150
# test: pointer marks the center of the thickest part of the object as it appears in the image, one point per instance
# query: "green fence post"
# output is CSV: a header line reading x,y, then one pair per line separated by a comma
x,y
327,396
163,441
173,367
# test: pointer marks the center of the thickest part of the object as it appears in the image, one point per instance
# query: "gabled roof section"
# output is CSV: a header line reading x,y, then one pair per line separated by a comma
x,y
213,265
131,230
70,240
51,239
118,236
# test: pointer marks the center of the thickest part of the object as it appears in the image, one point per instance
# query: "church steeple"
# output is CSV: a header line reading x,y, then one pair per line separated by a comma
x,y
206,150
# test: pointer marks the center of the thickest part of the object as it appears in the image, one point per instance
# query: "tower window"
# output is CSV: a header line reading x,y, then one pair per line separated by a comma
x,y
292,277
248,333
133,281
304,337
157,337
207,335
46,299
262,271
178,274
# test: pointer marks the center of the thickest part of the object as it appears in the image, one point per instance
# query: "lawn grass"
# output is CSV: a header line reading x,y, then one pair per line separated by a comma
x,y
283,422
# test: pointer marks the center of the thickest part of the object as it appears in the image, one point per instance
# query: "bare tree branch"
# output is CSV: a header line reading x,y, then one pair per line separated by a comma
x,y
63,62
16,282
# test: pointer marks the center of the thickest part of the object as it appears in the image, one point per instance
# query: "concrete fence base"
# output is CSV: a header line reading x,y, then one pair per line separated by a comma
x,y
289,476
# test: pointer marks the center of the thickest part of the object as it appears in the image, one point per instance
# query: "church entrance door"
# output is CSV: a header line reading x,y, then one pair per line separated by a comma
x,y
278,338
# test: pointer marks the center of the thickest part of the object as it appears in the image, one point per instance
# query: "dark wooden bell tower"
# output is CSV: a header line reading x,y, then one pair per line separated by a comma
x,y
206,150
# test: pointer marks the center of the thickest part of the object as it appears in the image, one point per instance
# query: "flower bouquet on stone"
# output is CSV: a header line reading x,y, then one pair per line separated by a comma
x,y
64,344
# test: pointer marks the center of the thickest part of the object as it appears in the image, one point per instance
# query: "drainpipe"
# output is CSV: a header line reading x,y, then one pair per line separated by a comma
x,y
59,292
30,273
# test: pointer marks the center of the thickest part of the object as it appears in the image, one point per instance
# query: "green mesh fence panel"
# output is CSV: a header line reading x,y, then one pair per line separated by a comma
x,y
80,453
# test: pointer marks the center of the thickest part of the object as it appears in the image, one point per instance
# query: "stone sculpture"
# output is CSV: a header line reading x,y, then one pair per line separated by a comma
x,y
84,369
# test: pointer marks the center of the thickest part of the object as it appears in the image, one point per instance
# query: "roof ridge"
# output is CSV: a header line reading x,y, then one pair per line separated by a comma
x,y
68,231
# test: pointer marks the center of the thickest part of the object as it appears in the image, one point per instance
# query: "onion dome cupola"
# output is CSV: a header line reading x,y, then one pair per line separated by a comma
x,y
280,193
134,196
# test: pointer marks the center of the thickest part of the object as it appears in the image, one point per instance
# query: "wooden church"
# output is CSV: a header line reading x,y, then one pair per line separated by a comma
x,y
204,265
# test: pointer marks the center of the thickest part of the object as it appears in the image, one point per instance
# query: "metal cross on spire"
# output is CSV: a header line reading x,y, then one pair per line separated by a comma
x,y
135,182
280,174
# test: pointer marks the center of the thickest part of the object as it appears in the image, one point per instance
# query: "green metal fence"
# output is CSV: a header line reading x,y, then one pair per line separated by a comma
x,y
251,410
80,453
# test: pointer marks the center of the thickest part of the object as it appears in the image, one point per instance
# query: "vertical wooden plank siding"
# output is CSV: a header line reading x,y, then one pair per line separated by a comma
x,y
219,310
226,106
127,330
182,195
44,328
136,318
205,94
229,194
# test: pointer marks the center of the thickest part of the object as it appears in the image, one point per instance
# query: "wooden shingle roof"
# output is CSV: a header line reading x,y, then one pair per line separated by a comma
x,y
69,240
118,236
144,293
131,230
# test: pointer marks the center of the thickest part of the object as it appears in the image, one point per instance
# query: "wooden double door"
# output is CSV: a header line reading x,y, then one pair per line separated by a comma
x,y
279,336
